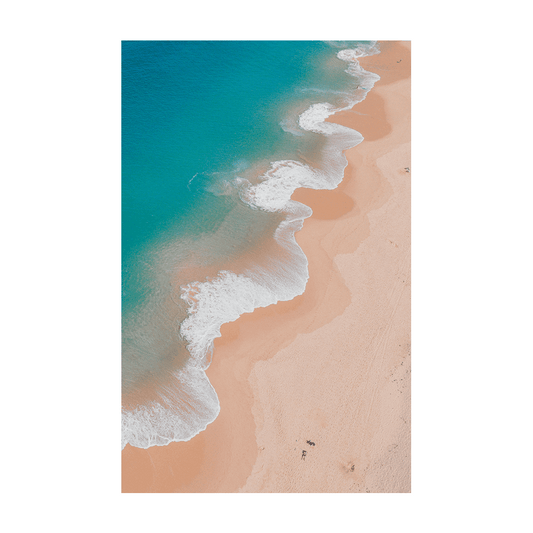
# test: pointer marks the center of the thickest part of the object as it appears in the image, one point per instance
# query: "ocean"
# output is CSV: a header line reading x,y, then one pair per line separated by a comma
x,y
216,136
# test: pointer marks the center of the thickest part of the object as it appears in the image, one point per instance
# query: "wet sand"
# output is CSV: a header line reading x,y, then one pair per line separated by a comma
x,y
327,373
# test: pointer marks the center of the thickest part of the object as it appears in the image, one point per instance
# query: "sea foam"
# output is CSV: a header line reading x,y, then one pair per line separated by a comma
x,y
188,403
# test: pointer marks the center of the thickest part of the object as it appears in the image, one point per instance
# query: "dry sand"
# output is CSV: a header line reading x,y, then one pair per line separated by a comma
x,y
331,366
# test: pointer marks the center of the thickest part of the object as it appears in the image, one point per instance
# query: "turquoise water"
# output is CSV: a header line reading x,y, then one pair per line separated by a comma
x,y
200,107
198,118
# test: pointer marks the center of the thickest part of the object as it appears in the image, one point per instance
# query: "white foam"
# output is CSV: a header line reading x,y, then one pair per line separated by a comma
x,y
186,406
215,302
190,403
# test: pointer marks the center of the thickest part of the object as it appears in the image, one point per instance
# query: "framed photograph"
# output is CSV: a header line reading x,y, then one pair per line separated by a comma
x,y
266,248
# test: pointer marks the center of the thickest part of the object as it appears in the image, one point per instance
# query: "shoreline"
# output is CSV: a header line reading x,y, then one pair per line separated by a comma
x,y
270,385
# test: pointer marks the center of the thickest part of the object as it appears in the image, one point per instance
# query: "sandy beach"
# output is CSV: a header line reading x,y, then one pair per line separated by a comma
x,y
315,392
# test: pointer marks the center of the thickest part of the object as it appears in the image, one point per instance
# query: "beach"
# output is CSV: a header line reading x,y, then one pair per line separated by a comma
x,y
315,392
